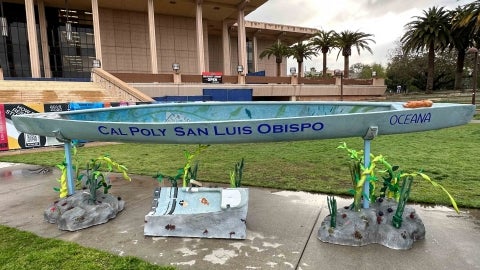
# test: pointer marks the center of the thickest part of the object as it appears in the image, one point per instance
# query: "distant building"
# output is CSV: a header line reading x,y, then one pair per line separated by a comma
x,y
51,38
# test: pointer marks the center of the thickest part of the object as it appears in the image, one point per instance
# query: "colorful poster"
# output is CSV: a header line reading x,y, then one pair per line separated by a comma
x,y
3,130
16,139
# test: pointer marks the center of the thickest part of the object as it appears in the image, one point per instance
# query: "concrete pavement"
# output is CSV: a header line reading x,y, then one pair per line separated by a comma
x,y
281,230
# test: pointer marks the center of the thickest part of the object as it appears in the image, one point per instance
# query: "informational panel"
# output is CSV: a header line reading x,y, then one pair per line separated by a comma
x,y
16,139
11,138
3,130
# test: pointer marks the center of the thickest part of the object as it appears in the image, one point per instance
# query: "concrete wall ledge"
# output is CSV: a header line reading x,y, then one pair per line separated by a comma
x,y
294,92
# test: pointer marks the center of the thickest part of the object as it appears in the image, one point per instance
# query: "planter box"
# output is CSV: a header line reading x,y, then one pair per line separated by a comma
x,y
198,212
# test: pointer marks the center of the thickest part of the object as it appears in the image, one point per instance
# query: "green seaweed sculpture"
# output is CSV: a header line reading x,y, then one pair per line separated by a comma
x,y
237,174
332,208
360,173
63,189
391,188
187,172
94,173
96,178
172,179
404,194
189,157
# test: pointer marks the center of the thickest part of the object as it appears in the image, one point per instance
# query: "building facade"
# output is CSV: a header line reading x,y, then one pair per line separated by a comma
x,y
64,38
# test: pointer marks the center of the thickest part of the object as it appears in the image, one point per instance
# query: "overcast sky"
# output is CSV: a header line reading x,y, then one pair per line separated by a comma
x,y
385,19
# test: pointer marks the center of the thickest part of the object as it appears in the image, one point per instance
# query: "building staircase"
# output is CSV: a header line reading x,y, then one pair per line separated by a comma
x,y
13,91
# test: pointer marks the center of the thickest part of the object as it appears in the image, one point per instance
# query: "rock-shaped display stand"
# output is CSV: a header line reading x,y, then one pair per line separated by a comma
x,y
373,225
198,212
75,212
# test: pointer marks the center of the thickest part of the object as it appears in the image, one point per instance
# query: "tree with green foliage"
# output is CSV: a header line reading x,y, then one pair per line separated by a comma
x,y
408,70
345,40
430,32
324,41
464,35
278,50
301,51
470,17
365,71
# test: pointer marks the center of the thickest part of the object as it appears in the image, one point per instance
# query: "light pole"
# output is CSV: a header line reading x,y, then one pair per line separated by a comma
x,y
475,68
337,73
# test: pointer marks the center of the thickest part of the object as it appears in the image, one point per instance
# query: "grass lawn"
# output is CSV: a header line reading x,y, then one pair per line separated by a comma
x,y
448,156
23,250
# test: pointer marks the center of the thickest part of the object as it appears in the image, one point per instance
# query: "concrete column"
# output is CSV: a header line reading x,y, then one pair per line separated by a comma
x,y
242,39
241,78
200,47
96,31
227,66
255,53
44,39
206,56
294,79
32,39
152,37
177,77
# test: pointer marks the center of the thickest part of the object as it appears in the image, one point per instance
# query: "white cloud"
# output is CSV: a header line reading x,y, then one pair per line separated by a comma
x,y
385,19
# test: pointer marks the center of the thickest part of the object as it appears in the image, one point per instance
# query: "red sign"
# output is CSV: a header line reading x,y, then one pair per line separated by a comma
x,y
212,77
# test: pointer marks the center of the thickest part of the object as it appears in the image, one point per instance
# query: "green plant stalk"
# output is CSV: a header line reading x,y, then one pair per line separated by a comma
x,y
189,156
404,194
435,184
239,173
332,208
232,179
355,172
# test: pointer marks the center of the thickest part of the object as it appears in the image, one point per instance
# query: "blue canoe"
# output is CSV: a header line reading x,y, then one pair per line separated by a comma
x,y
241,122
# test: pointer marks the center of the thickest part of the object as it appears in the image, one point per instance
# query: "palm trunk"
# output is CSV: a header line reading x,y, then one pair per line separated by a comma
x,y
300,69
430,68
346,64
324,64
279,60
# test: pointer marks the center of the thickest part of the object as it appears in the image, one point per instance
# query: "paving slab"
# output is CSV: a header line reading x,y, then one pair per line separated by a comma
x,y
281,230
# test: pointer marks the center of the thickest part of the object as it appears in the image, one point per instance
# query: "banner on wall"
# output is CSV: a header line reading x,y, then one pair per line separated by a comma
x,y
212,77
17,139
3,130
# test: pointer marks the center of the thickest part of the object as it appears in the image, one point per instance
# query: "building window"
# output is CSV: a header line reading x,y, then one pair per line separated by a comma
x,y
250,59
68,58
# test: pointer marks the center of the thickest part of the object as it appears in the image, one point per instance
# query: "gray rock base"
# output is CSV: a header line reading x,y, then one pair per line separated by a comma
x,y
227,222
74,212
367,227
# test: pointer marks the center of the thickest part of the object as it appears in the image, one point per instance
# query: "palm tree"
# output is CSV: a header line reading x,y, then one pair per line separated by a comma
x,y
461,40
301,51
429,32
471,17
324,41
279,50
345,40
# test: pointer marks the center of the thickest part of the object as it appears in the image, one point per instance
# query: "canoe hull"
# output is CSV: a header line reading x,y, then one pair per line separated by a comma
x,y
224,123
